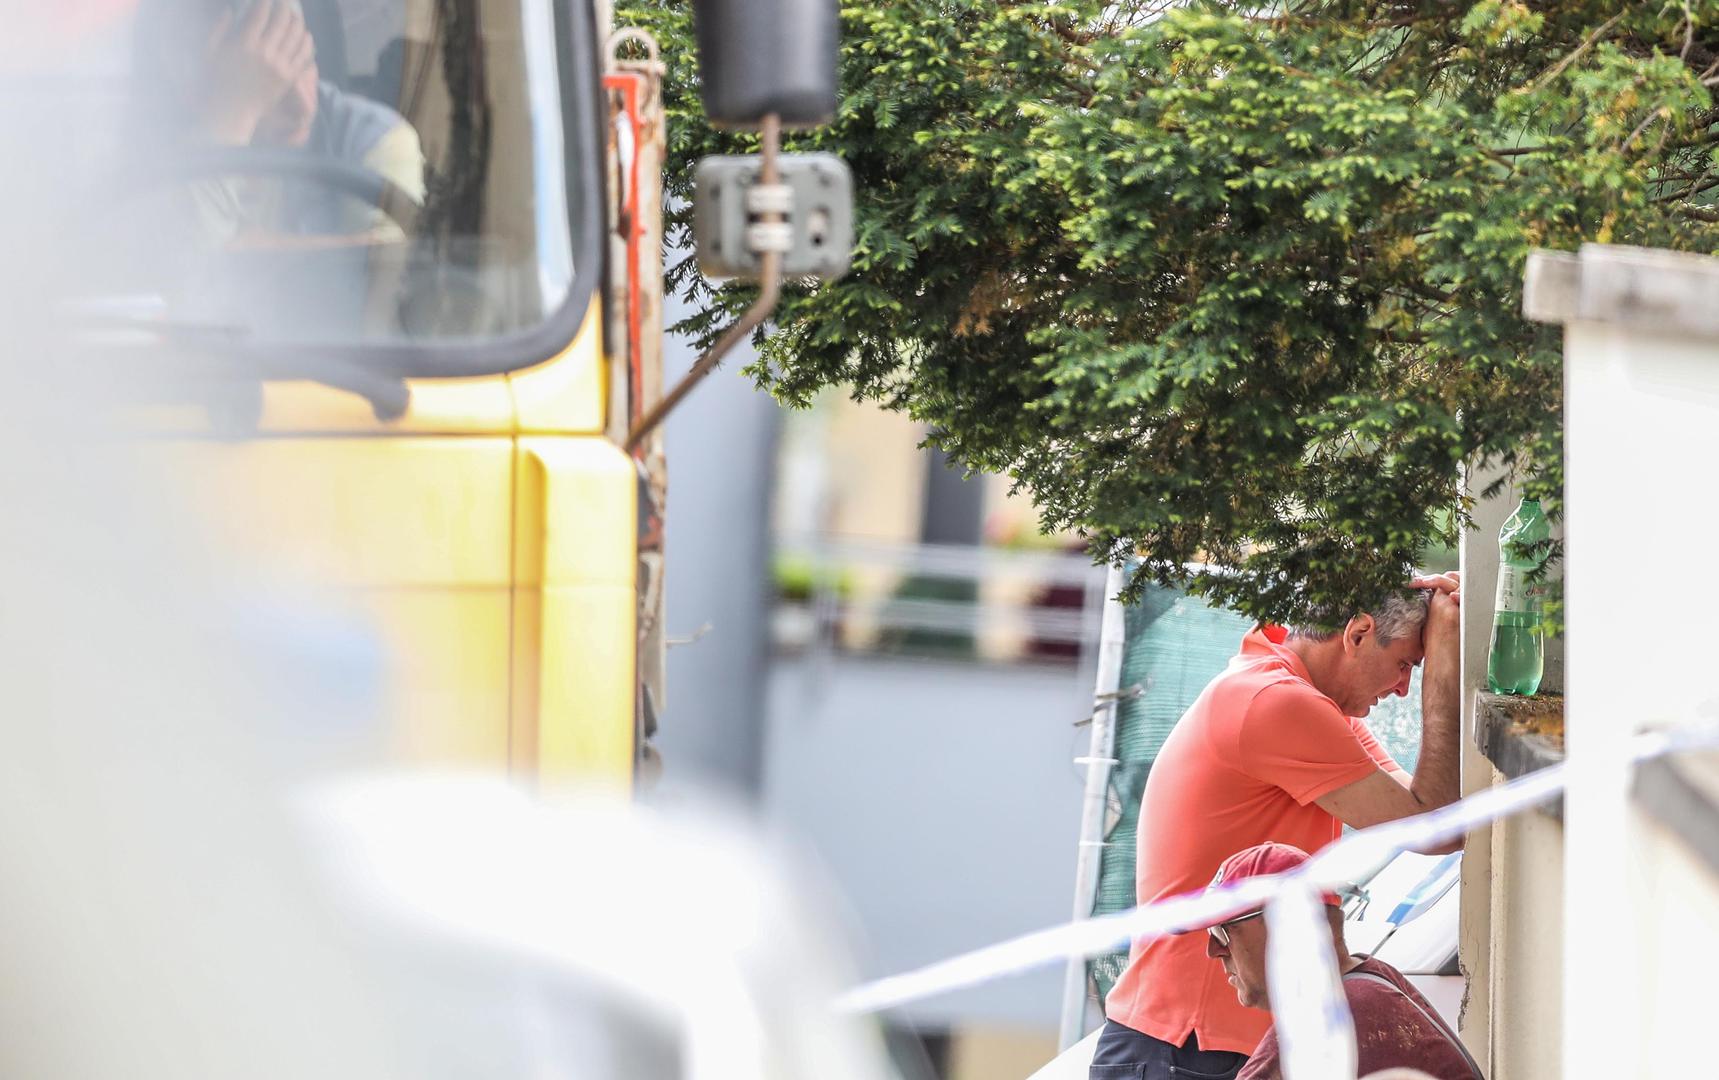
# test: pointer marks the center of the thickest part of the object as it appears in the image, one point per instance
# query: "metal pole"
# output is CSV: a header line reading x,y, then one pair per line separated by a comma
x,y
769,289
1099,760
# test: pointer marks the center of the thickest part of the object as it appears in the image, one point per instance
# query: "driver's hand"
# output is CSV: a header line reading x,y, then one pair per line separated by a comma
x,y
251,65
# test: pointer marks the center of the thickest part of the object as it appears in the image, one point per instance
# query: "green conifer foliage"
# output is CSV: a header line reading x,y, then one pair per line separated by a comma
x,y
1236,286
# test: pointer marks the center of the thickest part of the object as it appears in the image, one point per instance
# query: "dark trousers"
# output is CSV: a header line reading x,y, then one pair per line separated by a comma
x,y
1125,1054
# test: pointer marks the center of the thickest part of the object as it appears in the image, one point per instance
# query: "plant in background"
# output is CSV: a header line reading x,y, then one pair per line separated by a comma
x,y
799,579
1232,287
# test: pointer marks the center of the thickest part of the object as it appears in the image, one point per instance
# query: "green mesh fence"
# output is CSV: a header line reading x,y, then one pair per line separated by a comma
x,y
1175,645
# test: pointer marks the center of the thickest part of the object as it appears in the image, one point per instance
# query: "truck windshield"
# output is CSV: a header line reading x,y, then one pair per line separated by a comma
x,y
411,183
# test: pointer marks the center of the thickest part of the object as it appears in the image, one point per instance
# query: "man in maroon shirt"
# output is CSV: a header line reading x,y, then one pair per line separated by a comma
x,y
1395,1027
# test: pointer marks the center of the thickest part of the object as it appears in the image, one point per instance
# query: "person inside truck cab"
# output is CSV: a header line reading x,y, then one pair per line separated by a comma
x,y
252,80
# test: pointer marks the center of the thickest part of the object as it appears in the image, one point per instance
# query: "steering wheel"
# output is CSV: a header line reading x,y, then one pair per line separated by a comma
x,y
364,184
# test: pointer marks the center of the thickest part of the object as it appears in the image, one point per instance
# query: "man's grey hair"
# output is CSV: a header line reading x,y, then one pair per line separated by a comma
x,y
1399,616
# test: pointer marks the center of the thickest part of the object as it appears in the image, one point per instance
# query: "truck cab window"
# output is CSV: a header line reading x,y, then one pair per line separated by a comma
x,y
343,172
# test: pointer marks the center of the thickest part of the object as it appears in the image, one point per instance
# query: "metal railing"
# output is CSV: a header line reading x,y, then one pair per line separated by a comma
x,y
941,600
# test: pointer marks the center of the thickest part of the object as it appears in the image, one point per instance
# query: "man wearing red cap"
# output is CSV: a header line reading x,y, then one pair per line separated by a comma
x,y
1395,1027
1274,749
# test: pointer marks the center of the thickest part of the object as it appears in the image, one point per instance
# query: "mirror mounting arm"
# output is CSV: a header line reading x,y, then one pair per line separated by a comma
x,y
769,291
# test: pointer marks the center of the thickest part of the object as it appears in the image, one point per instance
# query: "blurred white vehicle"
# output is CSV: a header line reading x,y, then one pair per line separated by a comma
x,y
585,935
1406,915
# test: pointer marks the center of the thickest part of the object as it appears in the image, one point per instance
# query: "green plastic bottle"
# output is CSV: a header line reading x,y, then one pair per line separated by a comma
x,y
1518,658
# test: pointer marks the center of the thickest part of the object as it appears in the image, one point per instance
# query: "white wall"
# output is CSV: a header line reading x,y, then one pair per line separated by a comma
x,y
1636,636
1511,935
1641,361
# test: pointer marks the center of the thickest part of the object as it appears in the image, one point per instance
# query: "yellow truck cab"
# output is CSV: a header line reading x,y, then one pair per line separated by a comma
x,y
398,264
395,384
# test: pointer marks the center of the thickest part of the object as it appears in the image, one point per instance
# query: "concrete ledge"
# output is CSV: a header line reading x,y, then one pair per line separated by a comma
x,y
1682,794
1666,292
1521,735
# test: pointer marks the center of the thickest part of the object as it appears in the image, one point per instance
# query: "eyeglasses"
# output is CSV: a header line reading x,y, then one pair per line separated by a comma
x,y
1221,931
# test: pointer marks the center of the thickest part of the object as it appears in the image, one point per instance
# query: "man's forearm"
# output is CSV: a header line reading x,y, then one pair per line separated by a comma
x,y
1437,781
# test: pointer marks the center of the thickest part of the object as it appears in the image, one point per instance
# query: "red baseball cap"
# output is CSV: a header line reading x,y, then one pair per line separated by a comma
x,y
1261,860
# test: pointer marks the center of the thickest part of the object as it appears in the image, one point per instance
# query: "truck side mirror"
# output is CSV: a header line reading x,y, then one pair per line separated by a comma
x,y
817,208
758,57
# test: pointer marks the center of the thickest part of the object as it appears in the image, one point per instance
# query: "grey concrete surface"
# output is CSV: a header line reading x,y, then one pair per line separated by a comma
x,y
943,800
721,445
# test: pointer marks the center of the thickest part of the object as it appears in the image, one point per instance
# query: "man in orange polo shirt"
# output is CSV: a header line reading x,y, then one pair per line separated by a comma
x,y
1274,749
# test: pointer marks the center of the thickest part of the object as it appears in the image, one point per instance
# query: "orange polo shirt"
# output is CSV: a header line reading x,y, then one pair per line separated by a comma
x,y
1243,766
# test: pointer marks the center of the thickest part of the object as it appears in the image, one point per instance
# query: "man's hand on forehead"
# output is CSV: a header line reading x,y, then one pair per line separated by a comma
x,y
1444,604
1450,583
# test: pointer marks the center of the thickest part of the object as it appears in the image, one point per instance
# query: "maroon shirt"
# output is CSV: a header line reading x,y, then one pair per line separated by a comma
x,y
1390,1032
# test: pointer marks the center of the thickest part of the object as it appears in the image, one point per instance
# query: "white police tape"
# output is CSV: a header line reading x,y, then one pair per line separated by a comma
x,y
1315,1033
1353,858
